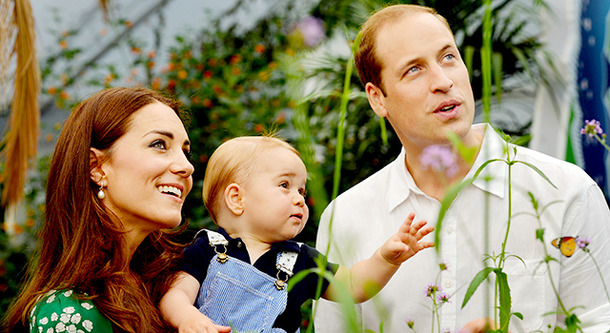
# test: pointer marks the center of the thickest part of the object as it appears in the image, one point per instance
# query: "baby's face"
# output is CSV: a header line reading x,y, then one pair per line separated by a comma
x,y
274,196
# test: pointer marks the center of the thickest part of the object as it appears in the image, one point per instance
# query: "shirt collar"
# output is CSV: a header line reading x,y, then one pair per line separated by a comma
x,y
279,246
492,178
401,183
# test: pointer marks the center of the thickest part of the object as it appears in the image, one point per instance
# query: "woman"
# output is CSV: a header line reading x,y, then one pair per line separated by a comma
x,y
117,182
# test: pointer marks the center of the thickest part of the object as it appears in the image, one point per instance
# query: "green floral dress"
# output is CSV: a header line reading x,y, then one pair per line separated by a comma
x,y
60,311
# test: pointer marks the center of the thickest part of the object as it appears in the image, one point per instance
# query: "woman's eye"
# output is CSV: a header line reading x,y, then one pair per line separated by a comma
x,y
158,144
188,154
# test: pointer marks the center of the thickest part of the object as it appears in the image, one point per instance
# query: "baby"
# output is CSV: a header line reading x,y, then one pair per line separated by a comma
x,y
236,277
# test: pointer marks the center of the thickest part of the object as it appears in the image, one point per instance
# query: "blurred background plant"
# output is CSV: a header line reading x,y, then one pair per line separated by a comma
x,y
282,73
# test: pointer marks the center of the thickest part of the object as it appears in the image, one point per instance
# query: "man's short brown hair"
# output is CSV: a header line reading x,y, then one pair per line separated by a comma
x,y
367,64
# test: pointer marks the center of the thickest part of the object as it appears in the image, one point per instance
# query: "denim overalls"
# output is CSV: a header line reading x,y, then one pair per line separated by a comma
x,y
235,293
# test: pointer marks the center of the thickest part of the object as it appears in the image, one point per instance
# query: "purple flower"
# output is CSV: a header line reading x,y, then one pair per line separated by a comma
x,y
443,297
410,322
582,243
592,127
439,158
445,330
311,30
431,289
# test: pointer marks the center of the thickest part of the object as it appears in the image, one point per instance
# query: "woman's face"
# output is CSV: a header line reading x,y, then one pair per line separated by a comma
x,y
147,173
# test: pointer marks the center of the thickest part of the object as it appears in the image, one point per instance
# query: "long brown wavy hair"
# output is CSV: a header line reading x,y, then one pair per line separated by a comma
x,y
80,244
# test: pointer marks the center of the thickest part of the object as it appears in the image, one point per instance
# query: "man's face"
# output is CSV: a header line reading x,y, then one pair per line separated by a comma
x,y
427,88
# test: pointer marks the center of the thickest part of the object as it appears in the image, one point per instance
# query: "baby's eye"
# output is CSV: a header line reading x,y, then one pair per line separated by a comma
x,y
284,184
160,144
303,192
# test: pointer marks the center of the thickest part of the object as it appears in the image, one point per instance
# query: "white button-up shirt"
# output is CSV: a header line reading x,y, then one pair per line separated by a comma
x,y
473,229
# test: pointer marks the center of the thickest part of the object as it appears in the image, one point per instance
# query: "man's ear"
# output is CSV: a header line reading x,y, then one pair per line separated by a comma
x,y
233,197
376,99
96,158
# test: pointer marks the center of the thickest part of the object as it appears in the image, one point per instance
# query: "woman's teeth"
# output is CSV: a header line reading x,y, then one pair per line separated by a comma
x,y
170,190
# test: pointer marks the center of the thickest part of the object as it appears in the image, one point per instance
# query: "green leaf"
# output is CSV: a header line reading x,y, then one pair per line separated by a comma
x,y
505,299
539,172
451,194
474,284
572,322
540,234
533,200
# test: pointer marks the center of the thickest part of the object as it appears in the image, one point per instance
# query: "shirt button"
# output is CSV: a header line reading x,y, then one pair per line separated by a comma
x,y
448,284
238,244
449,230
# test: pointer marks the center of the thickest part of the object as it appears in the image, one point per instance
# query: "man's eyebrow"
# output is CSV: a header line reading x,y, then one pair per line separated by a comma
x,y
446,47
402,69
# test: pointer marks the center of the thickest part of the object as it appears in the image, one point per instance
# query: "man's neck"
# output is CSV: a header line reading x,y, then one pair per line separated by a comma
x,y
432,182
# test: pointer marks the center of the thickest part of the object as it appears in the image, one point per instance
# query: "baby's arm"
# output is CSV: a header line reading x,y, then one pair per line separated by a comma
x,y
366,278
178,309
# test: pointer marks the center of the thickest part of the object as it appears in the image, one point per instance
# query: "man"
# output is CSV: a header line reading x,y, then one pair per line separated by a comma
x,y
414,76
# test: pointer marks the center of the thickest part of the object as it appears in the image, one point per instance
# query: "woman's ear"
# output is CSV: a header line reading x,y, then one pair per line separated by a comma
x,y
96,157
376,99
233,197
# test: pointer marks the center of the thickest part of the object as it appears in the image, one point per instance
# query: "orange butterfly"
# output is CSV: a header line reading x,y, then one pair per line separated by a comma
x,y
566,245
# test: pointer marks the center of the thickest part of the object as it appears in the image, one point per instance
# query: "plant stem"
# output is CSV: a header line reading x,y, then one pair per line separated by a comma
x,y
602,141
600,275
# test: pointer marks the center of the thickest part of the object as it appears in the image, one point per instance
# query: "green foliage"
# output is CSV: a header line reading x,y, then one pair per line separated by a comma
x,y
236,82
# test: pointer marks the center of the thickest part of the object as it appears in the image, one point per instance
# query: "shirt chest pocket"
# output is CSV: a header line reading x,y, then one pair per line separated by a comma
x,y
528,288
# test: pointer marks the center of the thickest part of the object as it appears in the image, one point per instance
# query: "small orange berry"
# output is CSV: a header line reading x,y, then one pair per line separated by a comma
x,y
259,48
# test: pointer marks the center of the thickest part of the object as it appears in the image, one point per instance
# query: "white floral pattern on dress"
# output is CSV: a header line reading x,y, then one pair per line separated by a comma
x,y
61,312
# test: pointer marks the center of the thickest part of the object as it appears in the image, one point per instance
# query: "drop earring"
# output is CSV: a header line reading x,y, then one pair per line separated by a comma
x,y
100,194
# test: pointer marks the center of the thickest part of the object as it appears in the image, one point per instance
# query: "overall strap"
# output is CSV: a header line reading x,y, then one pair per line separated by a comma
x,y
285,264
216,239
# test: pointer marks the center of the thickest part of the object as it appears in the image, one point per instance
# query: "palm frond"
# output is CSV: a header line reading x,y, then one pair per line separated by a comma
x,y
21,140
7,36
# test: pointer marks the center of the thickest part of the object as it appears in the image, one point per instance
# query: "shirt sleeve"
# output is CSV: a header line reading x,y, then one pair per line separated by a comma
x,y
313,258
584,278
63,312
197,257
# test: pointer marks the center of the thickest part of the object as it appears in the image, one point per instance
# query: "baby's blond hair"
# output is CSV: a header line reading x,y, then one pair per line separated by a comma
x,y
233,162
